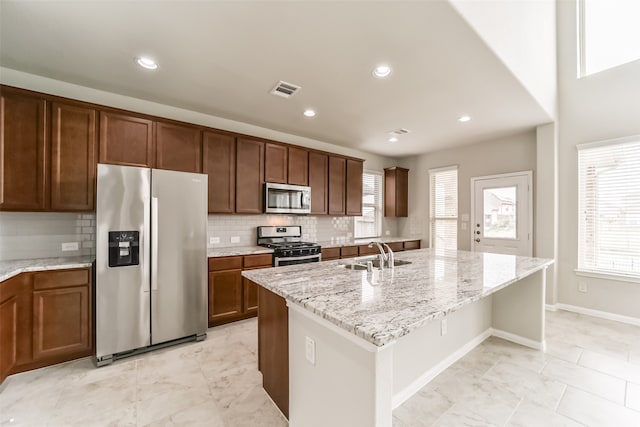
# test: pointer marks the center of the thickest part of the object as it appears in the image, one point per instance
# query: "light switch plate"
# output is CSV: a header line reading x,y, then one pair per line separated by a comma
x,y
464,217
463,226
70,246
582,286
214,240
235,239
443,327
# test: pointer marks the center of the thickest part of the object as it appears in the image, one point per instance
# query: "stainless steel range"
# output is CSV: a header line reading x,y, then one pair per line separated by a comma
x,y
288,247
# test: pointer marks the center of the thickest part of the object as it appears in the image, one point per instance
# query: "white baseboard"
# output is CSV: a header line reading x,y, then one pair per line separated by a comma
x,y
601,314
551,307
403,395
519,339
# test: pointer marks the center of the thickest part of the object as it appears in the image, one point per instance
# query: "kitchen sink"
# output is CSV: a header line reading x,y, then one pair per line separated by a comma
x,y
360,264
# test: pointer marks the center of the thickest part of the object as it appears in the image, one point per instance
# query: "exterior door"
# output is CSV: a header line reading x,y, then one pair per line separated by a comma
x,y
502,214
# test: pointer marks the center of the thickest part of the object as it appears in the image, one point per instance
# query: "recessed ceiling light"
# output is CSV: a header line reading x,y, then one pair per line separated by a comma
x,y
147,63
393,139
309,112
464,118
381,71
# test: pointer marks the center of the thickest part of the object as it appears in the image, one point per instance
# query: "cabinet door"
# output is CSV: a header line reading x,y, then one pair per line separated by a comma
x,y
8,335
402,192
337,175
250,296
23,152
275,163
225,296
249,175
319,183
73,157
126,140
178,147
219,162
298,166
354,187
60,321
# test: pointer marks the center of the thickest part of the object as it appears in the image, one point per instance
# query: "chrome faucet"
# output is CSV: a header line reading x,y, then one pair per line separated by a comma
x,y
384,257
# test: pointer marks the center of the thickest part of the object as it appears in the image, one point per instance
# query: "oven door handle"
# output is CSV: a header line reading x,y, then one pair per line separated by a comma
x,y
278,259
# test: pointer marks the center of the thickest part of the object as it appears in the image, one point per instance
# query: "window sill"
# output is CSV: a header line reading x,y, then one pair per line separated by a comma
x,y
608,276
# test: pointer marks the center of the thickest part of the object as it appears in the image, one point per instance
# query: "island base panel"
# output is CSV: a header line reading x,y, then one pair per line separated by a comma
x,y
273,347
519,311
348,385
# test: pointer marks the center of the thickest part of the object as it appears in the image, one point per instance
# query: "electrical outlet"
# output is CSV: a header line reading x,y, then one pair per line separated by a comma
x,y
582,286
387,232
214,240
235,239
464,217
443,327
310,350
70,246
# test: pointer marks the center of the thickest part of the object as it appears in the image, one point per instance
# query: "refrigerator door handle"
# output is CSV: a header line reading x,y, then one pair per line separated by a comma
x,y
154,243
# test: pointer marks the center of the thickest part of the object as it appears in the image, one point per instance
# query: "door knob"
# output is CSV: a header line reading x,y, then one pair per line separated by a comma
x,y
477,240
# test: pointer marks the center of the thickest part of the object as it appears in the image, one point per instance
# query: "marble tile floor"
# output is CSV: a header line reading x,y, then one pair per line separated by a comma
x,y
589,376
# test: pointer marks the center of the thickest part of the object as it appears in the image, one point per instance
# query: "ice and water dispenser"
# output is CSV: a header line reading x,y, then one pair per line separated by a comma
x,y
124,248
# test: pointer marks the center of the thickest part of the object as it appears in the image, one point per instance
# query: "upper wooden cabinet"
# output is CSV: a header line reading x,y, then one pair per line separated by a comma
x,y
275,163
178,147
319,183
23,151
219,162
354,187
298,166
249,175
337,180
396,192
73,157
126,140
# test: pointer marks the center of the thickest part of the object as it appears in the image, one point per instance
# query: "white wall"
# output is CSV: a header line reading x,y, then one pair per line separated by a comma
x,y
602,106
523,35
511,154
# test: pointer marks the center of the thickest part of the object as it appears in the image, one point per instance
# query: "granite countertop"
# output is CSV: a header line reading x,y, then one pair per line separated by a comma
x,y
237,250
339,243
383,306
11,268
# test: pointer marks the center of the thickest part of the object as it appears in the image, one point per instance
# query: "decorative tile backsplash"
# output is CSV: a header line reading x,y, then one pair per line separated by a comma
x,y
26,235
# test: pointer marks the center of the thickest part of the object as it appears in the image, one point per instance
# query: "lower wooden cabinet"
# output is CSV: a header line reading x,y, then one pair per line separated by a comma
x,y
232,297
45,318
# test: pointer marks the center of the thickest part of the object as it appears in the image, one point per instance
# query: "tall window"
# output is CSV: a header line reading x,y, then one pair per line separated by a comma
x,y
609,34
609,206
370,223
443,189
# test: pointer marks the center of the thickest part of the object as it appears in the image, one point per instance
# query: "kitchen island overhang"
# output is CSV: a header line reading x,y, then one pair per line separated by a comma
x,y
375,338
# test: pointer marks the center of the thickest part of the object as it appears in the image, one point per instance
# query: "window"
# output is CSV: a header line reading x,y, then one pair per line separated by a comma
x,y
443,188
609,207
609,34
369,224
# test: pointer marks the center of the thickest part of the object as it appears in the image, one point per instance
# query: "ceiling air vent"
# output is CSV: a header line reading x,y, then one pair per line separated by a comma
x,y
400,131
285,89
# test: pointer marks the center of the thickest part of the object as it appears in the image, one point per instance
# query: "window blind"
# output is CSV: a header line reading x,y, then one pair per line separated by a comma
x,y
609,207
443,188
369,224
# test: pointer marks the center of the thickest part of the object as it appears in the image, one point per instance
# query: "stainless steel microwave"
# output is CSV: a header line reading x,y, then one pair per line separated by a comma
x,y
287,199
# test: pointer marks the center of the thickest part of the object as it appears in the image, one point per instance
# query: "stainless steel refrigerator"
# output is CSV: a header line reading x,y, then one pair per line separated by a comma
x,y
151,259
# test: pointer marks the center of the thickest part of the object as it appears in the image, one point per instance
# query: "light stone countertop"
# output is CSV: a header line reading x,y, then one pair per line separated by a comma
x,y
237,250
11,268
339,243
383,306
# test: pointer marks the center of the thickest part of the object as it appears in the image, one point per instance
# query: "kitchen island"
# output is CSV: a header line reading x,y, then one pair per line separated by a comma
x,y
357,344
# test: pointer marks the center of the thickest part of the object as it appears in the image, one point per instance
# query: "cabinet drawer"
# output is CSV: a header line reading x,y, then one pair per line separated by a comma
x,y
412,244
225,263
396,246
261,260
330,253
348,251
60,279
366,250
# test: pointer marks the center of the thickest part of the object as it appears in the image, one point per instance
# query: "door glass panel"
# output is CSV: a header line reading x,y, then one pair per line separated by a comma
x,y
500,213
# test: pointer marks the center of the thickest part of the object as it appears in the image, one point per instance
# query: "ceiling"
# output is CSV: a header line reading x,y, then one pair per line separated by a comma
x,y
223,58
